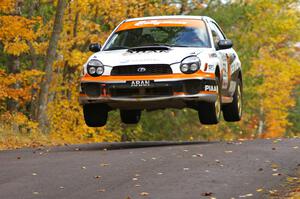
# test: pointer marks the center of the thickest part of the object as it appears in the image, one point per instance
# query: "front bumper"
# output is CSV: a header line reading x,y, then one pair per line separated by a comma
x,y
179,91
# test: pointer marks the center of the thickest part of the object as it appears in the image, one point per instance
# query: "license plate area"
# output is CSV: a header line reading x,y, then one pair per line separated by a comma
x,y
140,83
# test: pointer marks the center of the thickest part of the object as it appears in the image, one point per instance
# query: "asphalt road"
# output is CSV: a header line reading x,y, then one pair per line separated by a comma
x,y
219,170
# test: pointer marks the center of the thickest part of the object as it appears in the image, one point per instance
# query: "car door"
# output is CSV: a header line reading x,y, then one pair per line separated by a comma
x,y
223,54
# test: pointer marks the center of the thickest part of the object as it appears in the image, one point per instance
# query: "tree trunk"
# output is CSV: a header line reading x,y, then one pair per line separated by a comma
x,y
50,57
261,122
13,67
184,7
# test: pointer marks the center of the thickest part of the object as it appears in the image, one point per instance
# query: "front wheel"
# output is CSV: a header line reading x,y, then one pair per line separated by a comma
x,y
210,112
130,116
95,115
233,112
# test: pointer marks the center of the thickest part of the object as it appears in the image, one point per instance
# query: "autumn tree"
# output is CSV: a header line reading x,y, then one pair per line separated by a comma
x,y
50,57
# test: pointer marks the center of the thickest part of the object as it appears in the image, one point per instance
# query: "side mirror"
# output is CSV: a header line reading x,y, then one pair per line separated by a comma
x,y
95,47
224,44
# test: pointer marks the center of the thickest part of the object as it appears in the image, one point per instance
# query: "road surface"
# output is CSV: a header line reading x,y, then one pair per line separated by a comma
x,y
249,169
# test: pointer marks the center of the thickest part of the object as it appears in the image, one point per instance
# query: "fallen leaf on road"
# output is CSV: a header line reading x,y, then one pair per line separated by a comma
x,y
273,192
18,158
259,190
83,167
101,190
260,169
276,174
217,161
159,173
153,158
144,160
197,155
274,166
144,194
137,185
35,193
135,179
137,175
295,147
185,150
246,195
104,165
228,151
277,140
34,174
292,179
207,194
97,177
61,187
186,169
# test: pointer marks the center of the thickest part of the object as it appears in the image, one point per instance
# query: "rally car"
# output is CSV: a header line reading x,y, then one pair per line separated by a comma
x,y
163,62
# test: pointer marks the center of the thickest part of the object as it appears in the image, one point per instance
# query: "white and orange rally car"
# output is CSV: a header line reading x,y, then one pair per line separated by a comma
x,y
163,62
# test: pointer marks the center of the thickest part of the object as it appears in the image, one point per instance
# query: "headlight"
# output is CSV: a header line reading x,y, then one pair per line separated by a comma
x,y
95,68
190,65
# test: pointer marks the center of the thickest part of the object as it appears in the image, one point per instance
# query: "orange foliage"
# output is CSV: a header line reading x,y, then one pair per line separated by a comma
x,y
6,6
15,32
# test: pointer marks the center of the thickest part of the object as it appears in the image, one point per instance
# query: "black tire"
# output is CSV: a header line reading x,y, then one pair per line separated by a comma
x,y
130,116
210,112
95,115
233,112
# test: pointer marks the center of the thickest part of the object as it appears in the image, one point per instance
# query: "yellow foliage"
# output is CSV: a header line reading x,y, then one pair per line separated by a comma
x,y
19,86
15,31
67,124
6,6
276,66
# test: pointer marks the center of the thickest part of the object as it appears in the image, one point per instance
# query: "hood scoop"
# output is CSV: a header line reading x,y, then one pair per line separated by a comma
x,y
149,48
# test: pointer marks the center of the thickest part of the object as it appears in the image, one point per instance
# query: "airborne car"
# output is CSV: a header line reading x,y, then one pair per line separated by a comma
x,y
163,62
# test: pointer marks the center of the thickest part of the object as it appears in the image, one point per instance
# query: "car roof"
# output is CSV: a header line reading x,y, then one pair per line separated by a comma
x,y
170,17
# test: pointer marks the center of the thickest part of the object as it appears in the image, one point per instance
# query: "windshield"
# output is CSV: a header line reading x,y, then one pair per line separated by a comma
x,y
178,36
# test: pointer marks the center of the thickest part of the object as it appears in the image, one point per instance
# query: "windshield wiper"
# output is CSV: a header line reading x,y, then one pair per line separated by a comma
x,y
170,45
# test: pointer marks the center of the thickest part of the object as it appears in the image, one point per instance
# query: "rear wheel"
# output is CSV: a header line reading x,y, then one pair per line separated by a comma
x,y
95,115
210,112
130,116
233,112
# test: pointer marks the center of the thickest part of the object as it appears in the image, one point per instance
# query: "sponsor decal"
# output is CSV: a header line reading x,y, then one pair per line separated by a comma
x,y
210,88
159,22
211,67
213,55
140,83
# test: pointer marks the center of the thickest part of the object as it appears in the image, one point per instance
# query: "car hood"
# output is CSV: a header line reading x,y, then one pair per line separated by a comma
x,y
123,57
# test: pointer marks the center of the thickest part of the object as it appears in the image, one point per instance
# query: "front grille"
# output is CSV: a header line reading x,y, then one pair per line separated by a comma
x,y
141,92
154,69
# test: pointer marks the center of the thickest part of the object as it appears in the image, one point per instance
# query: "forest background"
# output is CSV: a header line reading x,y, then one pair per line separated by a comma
x,y
39,72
